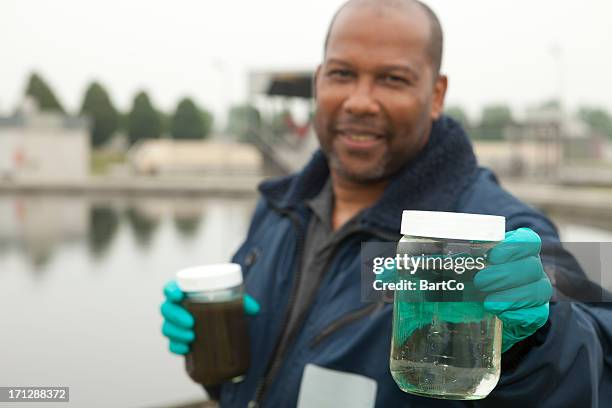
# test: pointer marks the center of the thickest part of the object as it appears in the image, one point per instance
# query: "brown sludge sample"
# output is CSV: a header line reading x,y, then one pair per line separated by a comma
x,y
220,351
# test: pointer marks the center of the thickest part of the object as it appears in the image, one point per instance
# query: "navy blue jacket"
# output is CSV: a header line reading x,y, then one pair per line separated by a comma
x,y
564,364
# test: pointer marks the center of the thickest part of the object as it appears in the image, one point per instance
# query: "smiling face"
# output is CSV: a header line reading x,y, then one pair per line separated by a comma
x,y
376,92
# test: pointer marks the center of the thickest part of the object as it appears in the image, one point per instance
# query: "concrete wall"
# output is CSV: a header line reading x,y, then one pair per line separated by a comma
x,y
526,158
166,157
44,153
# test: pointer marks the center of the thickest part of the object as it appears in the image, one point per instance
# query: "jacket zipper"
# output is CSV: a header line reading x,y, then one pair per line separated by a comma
x,y
277,357
250,259
344,321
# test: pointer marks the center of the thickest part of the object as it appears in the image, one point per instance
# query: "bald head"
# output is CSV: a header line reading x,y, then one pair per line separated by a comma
x,y
436,38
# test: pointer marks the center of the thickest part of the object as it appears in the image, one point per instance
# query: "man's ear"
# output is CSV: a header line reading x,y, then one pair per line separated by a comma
x,y
315,78
439,93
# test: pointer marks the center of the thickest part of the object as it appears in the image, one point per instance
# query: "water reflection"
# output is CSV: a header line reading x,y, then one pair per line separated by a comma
x,y
187,218
144,219
34,225
143,225
103,225
187,226
39,254
90,261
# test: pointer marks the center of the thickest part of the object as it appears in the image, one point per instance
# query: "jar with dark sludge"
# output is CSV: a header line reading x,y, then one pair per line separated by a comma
x,y
214,296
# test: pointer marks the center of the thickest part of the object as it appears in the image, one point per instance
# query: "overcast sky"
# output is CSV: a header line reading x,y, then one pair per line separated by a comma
x,y
495,51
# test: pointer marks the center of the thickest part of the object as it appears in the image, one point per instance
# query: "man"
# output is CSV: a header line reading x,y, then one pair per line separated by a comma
x,y
386,147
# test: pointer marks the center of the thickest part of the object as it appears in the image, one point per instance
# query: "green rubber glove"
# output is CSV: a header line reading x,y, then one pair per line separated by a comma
x,y
178,322
517,289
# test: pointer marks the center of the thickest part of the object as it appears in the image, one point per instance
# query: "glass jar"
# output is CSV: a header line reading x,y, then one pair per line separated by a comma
x,y
214,296
444,344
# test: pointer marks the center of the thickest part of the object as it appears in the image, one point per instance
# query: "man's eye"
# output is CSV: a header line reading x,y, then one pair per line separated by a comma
x,y
395,80
340,73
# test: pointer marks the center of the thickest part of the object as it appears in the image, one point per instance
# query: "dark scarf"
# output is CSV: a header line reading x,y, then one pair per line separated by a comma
x,y
433,181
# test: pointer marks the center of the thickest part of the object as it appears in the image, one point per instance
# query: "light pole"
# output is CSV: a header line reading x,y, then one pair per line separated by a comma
x,y
557,54
225,88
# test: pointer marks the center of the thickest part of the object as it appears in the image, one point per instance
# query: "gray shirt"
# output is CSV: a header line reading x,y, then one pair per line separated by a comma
x,y
318,250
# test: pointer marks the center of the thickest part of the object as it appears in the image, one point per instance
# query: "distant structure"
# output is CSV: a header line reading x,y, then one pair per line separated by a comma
x,y
285,100
43,146
167,157
547,140
542,145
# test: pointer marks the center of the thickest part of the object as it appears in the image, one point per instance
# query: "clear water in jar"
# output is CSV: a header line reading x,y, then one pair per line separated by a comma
x,y
446,359
443,345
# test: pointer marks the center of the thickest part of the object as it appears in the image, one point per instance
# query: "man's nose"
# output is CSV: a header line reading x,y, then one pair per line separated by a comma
x,y
361,101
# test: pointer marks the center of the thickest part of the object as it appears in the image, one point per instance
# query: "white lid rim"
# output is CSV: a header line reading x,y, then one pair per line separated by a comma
x,y
453,225
209,277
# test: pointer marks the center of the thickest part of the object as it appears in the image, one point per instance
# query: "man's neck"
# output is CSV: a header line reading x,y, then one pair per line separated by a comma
x,y
351,197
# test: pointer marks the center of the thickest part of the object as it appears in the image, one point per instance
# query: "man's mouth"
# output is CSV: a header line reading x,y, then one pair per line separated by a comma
x,y
356,139
363,137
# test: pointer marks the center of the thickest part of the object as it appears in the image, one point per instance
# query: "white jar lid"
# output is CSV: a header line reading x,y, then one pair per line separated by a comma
x,y
209,277
452,225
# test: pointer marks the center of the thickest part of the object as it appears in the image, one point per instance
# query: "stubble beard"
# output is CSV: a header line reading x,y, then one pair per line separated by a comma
x,y
378,173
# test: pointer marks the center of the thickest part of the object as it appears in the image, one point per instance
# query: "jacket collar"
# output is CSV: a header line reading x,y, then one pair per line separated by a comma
x,y
433,181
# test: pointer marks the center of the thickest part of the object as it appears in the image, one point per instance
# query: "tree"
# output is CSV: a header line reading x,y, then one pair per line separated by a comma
x,y
208,120
243,121
495,118
103,115
43,95
124,121
187,121
166,121
457,113
598,119
144,121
